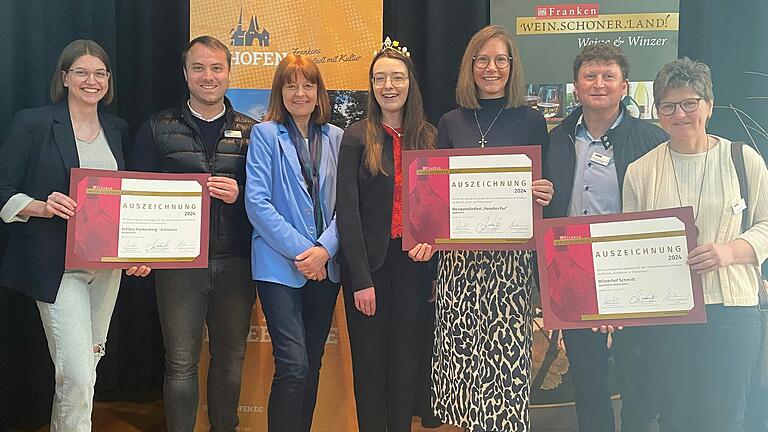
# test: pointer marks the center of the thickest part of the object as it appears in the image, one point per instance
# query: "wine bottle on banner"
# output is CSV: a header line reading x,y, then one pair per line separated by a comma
x,y
643,100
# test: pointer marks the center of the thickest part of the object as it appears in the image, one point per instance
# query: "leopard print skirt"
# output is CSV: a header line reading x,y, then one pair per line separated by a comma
x,y
483,335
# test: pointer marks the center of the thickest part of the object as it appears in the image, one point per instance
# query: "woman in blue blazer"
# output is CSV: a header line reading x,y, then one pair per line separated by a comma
x,y
290,200
44,144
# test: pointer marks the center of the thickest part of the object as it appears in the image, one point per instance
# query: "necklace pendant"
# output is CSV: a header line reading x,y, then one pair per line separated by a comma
x,y
482,142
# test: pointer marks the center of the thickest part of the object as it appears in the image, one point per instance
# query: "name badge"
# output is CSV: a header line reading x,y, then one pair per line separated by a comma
x,y
233,134
739,207
600,159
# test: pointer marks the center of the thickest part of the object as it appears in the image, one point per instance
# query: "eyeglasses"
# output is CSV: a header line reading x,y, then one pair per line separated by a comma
x,y
397,80
83,74
482,61
687,105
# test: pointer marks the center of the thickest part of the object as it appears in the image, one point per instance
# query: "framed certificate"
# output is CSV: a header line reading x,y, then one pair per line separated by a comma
x,y
624,270
126,218
471,199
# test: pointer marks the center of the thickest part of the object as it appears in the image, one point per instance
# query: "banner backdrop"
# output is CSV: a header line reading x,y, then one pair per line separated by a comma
x,y
551,32
335,409
341,37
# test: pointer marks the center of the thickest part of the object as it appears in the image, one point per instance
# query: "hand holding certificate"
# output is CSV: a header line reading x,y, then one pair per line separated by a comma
x,y
470,199
123,218
620,270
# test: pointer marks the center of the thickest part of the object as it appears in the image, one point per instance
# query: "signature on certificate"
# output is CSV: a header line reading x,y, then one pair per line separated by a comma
x,y
611,300
494,225
675,299
158,245
641,297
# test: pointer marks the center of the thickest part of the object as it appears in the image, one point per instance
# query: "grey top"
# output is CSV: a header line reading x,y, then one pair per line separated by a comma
x,y
96,154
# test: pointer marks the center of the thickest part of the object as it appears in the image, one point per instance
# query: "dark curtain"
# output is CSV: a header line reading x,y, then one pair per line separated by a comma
x,y
144,39
731,38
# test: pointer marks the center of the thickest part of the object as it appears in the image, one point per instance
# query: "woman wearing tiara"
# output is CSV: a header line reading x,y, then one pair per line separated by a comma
x,y
385,288
483,324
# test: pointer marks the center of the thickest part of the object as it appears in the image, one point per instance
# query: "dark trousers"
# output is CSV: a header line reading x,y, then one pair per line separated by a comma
x,y
386,347
705,369
222,297
637,382
588,358
756,416
298,320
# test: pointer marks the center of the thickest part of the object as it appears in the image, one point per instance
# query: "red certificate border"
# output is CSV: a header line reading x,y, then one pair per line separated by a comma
x,y
533,152
73,261
552,322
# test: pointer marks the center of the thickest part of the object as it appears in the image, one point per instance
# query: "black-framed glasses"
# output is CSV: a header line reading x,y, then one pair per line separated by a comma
x,y
397,80
501,61
687,105
83,74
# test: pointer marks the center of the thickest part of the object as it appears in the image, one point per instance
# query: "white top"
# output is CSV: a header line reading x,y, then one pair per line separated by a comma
x,y
650,184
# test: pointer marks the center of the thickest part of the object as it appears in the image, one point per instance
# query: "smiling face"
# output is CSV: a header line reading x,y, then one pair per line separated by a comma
x,y
86,90
600,85
207,75
391,98
682,126
300,98
491,82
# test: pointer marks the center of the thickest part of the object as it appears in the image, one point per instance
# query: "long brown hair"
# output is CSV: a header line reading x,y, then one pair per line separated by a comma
x,y
287,71
418,134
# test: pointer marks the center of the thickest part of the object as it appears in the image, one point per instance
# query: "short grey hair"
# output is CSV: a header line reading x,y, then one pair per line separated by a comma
x,y
683,73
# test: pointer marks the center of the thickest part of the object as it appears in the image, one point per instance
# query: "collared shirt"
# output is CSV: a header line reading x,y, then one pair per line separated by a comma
x,y
200,116
595,182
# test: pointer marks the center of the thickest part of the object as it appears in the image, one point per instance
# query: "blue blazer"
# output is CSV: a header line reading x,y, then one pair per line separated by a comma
x,y
280,207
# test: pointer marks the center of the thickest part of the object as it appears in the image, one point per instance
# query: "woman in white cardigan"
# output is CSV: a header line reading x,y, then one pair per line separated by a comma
x,y
704,370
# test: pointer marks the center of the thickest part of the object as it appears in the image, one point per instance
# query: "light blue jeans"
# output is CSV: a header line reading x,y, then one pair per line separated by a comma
x,y
76,328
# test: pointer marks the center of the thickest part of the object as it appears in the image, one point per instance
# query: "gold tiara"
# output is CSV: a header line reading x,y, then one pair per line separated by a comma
x,y
393,45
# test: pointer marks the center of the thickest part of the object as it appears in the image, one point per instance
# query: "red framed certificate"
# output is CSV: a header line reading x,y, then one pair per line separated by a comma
x,y
471,199
622,270
126,218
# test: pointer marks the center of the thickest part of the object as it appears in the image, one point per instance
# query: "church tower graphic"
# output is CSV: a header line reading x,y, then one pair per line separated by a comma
x,y
243,37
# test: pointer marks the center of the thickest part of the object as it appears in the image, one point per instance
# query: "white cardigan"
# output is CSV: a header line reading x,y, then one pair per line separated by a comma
x,y
645,184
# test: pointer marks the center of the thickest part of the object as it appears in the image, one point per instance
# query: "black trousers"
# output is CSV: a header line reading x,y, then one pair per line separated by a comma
x,y
704,370
386,347
588,358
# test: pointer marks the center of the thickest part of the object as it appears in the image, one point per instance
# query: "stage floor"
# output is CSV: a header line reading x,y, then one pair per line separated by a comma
x,y
150,417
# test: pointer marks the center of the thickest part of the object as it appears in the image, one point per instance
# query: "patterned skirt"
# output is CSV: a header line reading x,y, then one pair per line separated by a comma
x,y
483,335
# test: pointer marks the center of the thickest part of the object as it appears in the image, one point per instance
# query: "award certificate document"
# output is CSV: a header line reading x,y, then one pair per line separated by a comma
x,y
470,199
622,270
126,218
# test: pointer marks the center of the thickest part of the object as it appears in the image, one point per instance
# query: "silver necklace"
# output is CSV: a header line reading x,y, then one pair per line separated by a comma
x,y
696,211
483,141
399,135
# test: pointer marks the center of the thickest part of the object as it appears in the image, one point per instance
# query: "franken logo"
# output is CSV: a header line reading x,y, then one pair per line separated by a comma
x,y
243,37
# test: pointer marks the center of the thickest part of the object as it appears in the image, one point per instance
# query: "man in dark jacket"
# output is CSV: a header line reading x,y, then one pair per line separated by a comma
x,y
587,159
205,135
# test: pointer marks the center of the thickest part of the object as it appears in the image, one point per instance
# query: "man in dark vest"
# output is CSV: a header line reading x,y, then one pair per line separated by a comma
x,y
204,135
588,156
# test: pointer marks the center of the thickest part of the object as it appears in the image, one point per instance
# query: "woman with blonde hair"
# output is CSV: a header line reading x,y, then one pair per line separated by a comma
x,y
483,324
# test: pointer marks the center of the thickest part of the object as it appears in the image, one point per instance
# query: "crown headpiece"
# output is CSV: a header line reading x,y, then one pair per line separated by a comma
x,y
393,45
